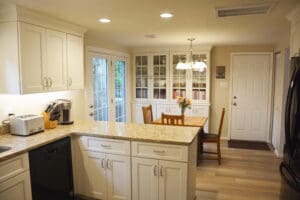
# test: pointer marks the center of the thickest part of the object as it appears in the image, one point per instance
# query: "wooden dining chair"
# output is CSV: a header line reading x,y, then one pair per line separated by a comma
x,y
172,119
147,114
213,138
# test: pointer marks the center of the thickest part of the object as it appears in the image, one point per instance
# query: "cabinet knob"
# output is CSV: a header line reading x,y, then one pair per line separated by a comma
x,y
91,114
234,104
91,106
102,163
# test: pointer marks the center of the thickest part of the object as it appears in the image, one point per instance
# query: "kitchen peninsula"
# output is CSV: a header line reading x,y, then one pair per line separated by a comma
x,y
121,160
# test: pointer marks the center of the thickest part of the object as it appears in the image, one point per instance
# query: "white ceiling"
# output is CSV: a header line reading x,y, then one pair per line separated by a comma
x,y
133,19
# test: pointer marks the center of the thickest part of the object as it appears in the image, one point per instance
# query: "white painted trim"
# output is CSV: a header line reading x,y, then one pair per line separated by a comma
x,y
177,48
270,89
107,51
225,138
278,155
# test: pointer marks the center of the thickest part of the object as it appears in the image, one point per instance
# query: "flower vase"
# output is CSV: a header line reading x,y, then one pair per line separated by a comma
x,y
182,110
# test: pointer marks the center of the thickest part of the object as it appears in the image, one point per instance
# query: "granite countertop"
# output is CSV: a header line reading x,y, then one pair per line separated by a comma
x,y
126,131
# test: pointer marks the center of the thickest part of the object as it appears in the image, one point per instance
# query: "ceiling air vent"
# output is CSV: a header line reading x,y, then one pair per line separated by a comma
x,y
243,10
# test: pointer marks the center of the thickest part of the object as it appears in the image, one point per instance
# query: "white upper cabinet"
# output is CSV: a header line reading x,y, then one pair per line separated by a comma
x,y
38,53
75,62
32,43
55,67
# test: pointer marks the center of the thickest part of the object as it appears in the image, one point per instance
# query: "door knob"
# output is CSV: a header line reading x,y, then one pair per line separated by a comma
x,y
234,104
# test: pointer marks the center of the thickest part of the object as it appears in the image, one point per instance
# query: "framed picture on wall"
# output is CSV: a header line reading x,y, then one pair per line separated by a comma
x,y
220,72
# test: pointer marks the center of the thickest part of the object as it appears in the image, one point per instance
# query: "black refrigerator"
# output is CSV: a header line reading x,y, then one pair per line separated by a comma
x,y
290,166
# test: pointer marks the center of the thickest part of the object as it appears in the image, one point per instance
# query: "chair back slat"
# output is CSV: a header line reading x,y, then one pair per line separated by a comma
x,y
172,119
147,114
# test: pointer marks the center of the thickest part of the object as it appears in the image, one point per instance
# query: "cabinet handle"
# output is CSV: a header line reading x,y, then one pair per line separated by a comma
x,y
50,82
45,82
102,164
161,171
107,164
155,170
70,81
159,152
105,145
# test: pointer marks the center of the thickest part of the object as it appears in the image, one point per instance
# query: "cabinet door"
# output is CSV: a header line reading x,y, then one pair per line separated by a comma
x,y
172,180
144,179
16,188
118,177
141,75
92,181
75,62
32,45
179,77
56,68
159,76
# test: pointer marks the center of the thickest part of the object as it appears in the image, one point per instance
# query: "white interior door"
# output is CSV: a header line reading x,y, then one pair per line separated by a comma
x,y
106,88
250,96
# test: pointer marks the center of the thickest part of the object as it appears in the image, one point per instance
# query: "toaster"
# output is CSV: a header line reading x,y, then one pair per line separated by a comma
x,y
26,125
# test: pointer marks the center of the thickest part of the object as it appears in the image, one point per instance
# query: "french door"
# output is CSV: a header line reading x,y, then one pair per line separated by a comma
x,y
106,87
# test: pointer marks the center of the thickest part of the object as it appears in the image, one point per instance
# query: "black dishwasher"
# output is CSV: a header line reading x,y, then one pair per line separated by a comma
x,y
51,171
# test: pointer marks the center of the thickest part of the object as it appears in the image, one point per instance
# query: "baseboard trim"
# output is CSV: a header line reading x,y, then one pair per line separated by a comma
x,y
278,155
224,138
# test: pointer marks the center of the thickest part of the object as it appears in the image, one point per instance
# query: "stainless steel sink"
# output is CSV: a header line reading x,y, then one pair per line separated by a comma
x,y
4,148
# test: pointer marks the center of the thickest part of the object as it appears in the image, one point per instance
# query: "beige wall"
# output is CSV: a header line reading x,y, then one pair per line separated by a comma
x,y
220,56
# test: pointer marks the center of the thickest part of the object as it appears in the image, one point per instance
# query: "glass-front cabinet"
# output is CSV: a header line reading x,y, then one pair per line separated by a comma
x,y
141,77
151,76
190,83
159,83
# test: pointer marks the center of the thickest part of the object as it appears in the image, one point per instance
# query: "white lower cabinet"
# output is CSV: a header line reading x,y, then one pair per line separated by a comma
x,y
102,175
15,179
158,179
16,188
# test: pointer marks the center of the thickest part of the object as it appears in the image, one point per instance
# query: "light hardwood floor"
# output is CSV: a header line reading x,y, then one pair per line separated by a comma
x,y
243,175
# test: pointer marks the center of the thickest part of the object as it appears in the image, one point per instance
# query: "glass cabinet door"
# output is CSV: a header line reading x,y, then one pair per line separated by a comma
x,y
159,77
141,84
178,77
199,85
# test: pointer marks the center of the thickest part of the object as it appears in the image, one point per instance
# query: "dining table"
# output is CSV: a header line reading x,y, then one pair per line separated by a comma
x,y
192,121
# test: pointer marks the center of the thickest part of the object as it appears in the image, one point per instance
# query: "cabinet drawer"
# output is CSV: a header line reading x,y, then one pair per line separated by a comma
x,y
106,145
160,151
13,166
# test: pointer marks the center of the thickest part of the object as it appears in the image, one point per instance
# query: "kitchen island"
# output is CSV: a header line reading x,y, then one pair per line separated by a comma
x,y
122,160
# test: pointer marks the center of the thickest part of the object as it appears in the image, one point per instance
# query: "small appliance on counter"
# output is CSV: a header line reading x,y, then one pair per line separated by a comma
x,y
26,125
65,111
58,112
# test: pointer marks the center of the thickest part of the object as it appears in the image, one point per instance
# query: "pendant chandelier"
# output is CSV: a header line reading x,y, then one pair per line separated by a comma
x,y
197,65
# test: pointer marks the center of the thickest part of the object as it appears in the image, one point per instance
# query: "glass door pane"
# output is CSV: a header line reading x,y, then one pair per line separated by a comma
x,y
120,90
160,77
100,86
178,77
141,77
199,80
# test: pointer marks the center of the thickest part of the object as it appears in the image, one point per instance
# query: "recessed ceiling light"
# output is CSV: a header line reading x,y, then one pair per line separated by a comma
x,y
104,20
166,15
